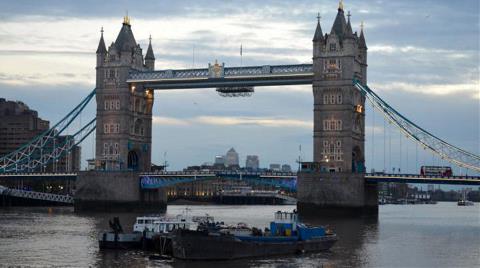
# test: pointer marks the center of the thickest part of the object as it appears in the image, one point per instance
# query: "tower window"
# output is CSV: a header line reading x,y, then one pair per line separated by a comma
x,y
106,105
105,148
325,99
105,128
332,99
118,104
333,47
339,98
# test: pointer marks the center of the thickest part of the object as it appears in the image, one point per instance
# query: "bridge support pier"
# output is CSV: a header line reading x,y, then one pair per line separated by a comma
x,y
335,194
116,191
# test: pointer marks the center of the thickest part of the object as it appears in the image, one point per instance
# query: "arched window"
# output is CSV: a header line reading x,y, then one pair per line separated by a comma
x,y
136,105
118,104
339,98
325,98
138,129
332,99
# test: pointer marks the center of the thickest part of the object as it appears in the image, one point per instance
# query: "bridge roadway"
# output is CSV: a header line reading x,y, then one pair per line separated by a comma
x,y
169,178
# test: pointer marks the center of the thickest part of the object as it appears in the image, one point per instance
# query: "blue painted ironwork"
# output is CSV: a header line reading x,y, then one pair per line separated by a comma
x,y
43,149
427,140
284,181
414,178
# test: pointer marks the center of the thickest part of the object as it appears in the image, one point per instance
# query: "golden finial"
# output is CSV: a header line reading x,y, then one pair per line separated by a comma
x,y
340,5
126,19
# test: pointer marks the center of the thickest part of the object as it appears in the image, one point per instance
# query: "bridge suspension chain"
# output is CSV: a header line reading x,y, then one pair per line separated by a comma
x,y
44,149
429,141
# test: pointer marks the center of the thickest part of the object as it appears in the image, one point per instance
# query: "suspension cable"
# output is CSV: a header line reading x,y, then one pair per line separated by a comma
x,y
384,144
373,137
438,146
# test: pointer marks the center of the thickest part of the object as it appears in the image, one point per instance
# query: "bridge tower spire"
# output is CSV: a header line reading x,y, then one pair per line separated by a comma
x,y
150,57
339,122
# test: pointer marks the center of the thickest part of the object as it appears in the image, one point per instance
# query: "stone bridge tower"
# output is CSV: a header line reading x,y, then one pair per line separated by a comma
x,y
124,111
123,133
335,180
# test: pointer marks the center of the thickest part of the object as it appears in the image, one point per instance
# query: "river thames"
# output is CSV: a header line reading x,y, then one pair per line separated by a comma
x,y
441,235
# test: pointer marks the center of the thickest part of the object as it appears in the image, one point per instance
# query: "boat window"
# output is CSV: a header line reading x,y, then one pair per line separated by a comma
x,y
140,221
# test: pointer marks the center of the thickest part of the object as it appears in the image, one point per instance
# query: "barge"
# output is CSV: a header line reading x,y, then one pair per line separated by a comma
x,y
285,236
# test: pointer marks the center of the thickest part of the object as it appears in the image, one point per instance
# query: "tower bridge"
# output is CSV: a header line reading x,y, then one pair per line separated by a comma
x,y
126,81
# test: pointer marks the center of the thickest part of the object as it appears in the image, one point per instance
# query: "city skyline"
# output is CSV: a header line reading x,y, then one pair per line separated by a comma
x,y
274,121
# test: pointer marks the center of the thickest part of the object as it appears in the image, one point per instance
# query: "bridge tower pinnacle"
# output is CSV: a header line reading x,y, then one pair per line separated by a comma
x,y
124,111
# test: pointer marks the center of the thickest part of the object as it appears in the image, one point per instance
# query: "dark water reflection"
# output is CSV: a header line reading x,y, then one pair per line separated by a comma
x,y
441,235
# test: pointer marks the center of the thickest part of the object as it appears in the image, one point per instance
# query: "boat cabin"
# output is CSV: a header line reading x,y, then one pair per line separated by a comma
x,y
284,224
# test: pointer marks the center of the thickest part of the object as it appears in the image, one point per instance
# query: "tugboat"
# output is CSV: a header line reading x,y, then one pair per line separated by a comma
x,y
286,236
147,230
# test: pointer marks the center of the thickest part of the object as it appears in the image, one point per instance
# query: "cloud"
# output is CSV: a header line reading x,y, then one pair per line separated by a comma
x,y
411,49
472,88
276,122
255,121
162,120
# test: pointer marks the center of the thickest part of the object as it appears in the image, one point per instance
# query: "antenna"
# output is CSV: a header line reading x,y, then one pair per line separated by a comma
x,y
165,163
241,55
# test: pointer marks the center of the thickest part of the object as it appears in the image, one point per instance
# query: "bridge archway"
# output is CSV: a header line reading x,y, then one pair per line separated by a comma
x,y
133,160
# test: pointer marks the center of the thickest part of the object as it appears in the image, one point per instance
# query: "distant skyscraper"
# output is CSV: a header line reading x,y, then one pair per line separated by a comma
x,y
231,159
286,168
252,162
275,167
220,160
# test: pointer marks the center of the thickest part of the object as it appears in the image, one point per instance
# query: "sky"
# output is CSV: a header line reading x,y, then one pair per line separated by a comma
x,y
423,59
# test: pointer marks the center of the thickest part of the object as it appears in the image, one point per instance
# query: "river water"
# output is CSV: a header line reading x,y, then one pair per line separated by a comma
x,y
441,235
